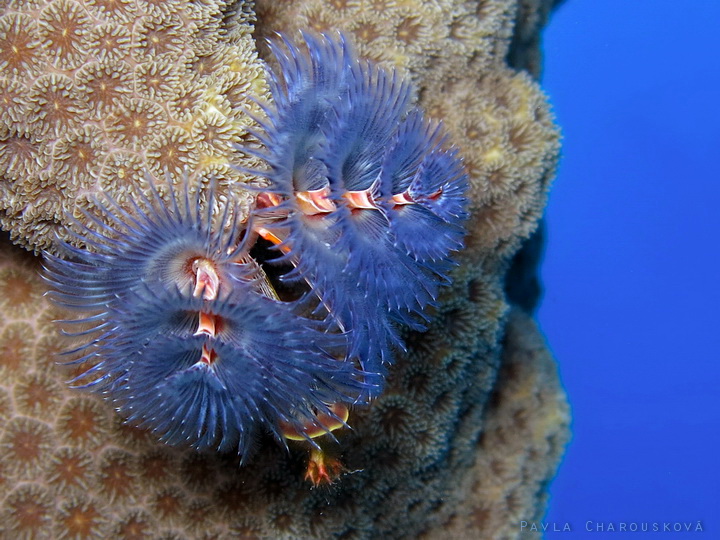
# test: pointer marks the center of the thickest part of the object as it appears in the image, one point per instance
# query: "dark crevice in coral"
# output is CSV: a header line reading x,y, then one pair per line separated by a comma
x,y
522,283
523,286
9,249
525,48
264,254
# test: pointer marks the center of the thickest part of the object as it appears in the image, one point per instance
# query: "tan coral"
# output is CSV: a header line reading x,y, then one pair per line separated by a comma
x,y
118,11
80,518
431,39
158,36
64,29
174,152
168,504
525,432
14,347
134,524
157,467
27,512
13,102
103,85
117,475
19,44
156,80
55,105
79,154
109,42
82,422
87,82
71,470
502,124
26,444
36,394
6,407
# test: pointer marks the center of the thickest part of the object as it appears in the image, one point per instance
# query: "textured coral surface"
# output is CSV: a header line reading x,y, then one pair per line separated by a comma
x,y
94,93
473,421
525,431
71,469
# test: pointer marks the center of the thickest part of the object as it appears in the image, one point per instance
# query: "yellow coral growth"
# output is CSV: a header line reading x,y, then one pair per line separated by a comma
x,y
92,94
428,38
503,126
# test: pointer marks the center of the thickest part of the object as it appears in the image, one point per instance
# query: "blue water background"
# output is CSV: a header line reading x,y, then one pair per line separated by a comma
x,y
632,267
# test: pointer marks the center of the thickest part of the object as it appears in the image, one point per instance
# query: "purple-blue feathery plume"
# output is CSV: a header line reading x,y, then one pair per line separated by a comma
x,y
371,200
179,333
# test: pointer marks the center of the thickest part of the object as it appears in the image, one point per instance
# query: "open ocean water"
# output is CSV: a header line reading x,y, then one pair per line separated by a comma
x,y
632,265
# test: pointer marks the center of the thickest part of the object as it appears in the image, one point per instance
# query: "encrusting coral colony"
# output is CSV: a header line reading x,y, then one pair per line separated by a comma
x,y
202,195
